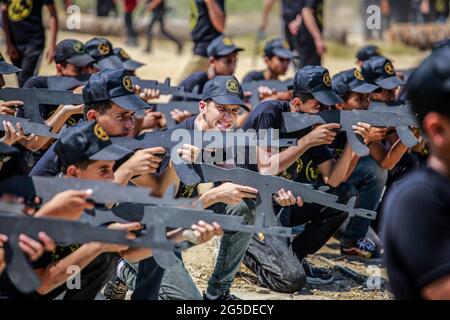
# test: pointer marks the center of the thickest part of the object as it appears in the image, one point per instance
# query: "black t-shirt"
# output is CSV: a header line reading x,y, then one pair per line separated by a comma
x,y
290,9
25,20
305,169
202,29
417,232
197,79
254,76
338,145
304,34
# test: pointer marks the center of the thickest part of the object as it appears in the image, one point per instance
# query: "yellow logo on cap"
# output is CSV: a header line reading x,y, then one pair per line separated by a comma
x,y
100,133
78,47
124,54
358,75
327,79
19,10
285,44
233,86
127,84
227,41
104,49
389,68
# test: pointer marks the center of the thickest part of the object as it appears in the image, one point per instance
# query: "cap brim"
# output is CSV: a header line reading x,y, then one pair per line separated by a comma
x,y
228,51
111,62
230,99
131,65
133,103
327,97
81,60
7,150
365,88
112,152
390,83
7,68
284,53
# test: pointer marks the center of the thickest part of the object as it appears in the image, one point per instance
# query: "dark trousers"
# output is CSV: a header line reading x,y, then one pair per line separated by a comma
x,y
308,55
276,262
131,33
159,18
29,60
148,280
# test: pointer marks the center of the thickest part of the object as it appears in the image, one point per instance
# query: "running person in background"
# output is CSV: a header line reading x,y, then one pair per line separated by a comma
x,y
25,34
159,10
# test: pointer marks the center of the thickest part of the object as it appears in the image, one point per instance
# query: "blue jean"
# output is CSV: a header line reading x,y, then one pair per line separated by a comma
x,y
370,179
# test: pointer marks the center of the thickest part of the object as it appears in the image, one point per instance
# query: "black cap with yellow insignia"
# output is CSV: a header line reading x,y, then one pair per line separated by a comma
x,y
128,63
278,47
316,81
7,68
102,51
367,52
73,52
381,71
352,81
87,141
222,46
116,86
224,90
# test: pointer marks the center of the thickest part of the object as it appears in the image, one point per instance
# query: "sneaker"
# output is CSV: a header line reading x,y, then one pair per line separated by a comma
x,y
315,276
116,290
223,297
363,248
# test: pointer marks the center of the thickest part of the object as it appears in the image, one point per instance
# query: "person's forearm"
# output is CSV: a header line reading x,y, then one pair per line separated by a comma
x,y
310,23
393,156
278,162
53,25
268,5
340,168
56,274
353,164
152,5
216,15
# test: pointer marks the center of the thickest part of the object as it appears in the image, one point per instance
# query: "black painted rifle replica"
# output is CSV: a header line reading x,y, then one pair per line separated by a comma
x,y
254,86
32,98
401,120
210,139
165,88
268,185
18,267
29,127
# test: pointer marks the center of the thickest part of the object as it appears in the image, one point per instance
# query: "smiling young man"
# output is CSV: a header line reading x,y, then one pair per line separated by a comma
x,y
416,221
310,161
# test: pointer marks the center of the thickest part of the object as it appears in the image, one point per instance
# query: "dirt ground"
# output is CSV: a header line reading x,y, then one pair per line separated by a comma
x,y
351,276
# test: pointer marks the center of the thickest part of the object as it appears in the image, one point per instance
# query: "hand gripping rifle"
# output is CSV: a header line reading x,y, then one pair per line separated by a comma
x,y
29,127
347,119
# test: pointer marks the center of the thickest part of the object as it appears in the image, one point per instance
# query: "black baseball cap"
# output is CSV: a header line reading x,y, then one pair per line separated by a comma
x,y
7,68
316,80
128,63
429,85
74,52
116,86
87,141
102,51
351,81
381,71
278,47
442,44
224,90
367,52
222,46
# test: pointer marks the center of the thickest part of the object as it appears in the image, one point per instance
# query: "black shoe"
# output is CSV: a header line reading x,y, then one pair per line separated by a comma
x,y
223,297
363,248
116,290
315,276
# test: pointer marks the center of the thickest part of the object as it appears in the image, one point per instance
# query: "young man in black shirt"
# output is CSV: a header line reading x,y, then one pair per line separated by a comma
x,y
312,43
25,34
367,175
207,22
416,210
308,162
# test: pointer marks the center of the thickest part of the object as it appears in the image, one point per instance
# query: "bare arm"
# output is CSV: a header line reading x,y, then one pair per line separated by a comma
x,y
311,24
387,158
438,290
53,25
152,5
334,172
268,5
216,15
